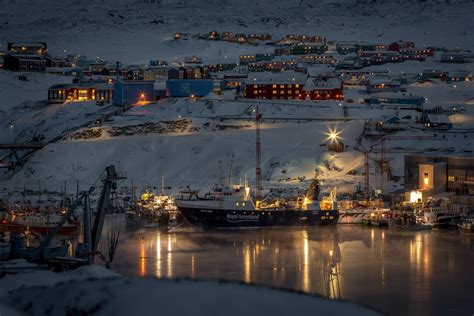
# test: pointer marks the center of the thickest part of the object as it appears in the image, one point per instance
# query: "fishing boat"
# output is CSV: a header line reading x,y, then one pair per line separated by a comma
x,y
151,211
39,222
466,226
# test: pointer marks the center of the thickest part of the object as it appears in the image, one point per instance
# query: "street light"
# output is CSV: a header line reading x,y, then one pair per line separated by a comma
x,y
333,135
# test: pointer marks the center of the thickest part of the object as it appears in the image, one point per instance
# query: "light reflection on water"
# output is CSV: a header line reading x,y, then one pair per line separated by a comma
x,y
394,272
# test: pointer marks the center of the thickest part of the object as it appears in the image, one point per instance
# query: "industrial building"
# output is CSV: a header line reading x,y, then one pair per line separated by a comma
x,y
133,92
440,173
189,87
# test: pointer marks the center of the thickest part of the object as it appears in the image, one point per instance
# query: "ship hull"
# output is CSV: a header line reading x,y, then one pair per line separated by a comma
x,y
210,218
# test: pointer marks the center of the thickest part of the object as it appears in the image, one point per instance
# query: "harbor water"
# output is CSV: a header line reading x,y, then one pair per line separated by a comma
x,y
394,272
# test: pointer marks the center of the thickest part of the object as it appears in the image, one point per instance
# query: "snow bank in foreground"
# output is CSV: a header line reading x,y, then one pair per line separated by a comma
x,y
15,282
140,296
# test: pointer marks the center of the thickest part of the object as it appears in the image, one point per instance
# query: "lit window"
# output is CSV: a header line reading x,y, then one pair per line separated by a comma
x,y
282,86
274,86
297,85
274,92
426,178
451,178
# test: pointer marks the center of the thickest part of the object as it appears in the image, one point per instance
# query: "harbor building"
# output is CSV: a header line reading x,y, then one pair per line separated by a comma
x,y
440,173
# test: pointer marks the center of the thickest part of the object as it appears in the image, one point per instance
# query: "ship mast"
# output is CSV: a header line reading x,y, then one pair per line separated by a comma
x,y
258,169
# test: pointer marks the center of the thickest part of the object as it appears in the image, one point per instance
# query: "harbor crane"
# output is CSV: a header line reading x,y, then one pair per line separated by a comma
x,y
92,235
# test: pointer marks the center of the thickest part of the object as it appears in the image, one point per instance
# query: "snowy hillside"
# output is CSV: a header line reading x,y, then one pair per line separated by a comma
x,y
145,140
134,31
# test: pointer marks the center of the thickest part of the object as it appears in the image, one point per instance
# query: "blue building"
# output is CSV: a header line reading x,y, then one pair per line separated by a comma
x,y
189,87
129,92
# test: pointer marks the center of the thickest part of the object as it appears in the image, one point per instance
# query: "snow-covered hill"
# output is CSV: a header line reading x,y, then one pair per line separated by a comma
x,y
136,30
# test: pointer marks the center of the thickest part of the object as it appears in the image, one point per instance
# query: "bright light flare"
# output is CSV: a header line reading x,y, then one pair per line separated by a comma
x,y
333,135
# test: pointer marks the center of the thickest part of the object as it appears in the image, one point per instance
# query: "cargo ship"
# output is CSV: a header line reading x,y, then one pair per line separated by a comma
x,y
234,206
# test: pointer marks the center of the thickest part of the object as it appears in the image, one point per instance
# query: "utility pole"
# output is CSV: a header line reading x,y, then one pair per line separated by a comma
x,y
367,174
382,163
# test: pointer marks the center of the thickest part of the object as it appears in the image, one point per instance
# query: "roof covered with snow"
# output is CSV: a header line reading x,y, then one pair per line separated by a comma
x,y
332,83
285,77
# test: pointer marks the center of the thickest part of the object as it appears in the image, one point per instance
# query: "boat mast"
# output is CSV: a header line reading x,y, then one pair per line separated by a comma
x,y
258,169
162,180
231,165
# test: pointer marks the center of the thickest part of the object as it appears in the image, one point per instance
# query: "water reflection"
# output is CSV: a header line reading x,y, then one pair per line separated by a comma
x,y
379,268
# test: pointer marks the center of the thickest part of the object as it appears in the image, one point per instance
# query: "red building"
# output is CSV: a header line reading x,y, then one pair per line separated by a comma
x,y
292,85
318,89
396,46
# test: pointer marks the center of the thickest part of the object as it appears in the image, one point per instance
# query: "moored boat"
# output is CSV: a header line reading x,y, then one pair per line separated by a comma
x,y
466,226
438,219
234,207
38,222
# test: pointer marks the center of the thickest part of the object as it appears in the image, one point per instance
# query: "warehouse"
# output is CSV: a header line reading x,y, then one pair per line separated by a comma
x,y
134,92
189,87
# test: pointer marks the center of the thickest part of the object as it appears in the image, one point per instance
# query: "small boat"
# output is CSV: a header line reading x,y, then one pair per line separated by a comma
x,y
466,226
438,219
362,215
19,250
401,224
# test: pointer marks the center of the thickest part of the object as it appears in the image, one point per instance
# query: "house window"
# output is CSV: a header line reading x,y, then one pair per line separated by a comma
x,y
274,86
426,178
282,92
297,85
451,178
274,92
282,86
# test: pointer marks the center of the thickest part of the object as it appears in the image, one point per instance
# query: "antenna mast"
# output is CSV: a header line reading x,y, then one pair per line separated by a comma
x,y
230,170
258,169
